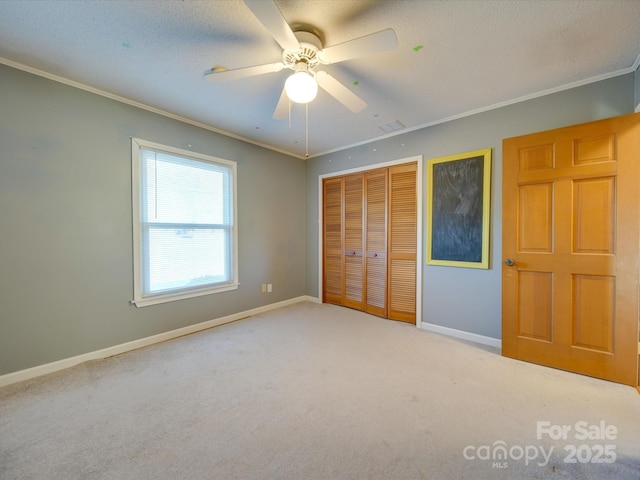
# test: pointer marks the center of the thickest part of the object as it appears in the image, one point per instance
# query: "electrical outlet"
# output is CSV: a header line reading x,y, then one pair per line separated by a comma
x,y
269,288
264,288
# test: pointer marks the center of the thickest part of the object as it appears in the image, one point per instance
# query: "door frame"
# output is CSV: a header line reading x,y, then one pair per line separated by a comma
x,y
418,159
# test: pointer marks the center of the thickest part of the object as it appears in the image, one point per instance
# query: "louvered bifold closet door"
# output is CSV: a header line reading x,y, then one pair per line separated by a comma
x,y
353,241
376,242
333,238
402,246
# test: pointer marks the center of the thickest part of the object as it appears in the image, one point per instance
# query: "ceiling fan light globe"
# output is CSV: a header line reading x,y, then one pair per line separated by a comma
x,y
301,87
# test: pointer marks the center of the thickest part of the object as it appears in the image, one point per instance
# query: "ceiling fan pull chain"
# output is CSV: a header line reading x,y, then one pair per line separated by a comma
x,y
306,128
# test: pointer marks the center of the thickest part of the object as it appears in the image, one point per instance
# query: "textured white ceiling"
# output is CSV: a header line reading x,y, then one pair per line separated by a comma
x,y
475,54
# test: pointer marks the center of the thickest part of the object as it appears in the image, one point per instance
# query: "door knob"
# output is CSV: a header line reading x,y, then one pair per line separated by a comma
x,y
509,262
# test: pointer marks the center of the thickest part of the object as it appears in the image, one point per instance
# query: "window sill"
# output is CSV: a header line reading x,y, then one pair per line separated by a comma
x,y
146,301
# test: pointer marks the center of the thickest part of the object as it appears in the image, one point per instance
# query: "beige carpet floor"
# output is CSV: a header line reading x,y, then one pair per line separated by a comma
x,y
317,392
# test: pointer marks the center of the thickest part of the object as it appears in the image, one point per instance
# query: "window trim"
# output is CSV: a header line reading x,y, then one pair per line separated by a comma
x,y
139,298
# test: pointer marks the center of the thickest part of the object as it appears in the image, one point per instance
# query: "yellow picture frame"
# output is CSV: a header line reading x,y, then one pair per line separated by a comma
x,y
458,209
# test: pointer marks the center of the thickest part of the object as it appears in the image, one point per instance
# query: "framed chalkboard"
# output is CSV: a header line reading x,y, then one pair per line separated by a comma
x,y
458,197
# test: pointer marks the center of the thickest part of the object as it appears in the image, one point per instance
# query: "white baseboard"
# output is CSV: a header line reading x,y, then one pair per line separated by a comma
x,y
472,337
33,372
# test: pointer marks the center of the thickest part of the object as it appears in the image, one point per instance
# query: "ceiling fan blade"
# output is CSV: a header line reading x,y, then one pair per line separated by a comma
x,y
341,93
359,47
269,14
282,109
222,75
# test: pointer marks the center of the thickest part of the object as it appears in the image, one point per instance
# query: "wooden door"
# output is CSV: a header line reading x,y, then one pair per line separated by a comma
x,y
353,241
375,202
570,244
333,240
402,243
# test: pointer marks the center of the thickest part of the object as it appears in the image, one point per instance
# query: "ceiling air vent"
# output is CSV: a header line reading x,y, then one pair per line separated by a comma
x,y
392,126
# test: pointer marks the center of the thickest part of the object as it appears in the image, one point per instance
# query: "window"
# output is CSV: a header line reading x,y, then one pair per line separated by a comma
x,y
184,230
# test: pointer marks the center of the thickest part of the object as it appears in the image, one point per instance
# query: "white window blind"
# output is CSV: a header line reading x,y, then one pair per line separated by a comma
x,y
184,223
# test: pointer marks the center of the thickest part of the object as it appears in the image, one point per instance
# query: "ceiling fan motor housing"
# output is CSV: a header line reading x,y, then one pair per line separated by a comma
x,y
310,45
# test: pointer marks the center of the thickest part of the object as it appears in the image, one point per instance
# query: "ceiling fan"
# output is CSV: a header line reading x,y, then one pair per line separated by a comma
x,y
303,52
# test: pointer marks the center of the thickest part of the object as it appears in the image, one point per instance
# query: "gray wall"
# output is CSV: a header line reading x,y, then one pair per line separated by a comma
x,y
459,298
65,223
